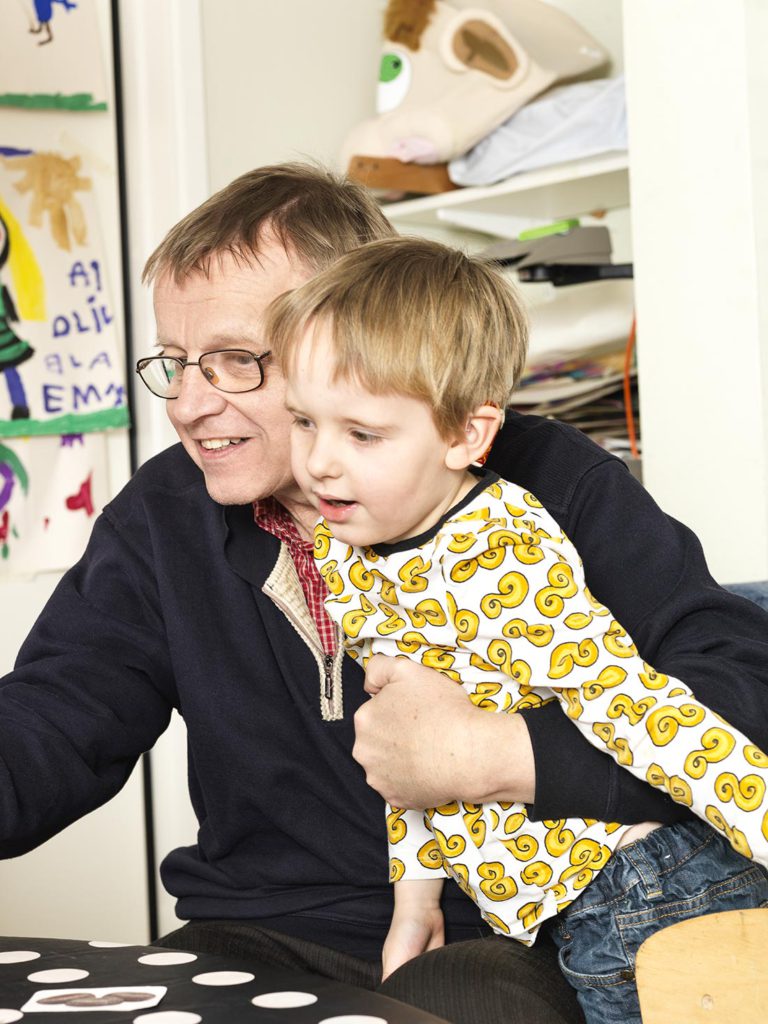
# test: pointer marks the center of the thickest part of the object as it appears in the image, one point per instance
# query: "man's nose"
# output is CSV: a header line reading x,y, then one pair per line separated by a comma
x,y
197,397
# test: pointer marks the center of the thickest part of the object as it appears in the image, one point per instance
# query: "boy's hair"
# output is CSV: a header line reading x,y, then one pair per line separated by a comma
x,y
317,215
414,317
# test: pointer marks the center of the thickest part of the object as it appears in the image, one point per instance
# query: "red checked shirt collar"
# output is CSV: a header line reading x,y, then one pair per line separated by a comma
x,y
270,515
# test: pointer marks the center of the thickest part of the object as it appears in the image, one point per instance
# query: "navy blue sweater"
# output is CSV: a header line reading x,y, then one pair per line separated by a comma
x,y
165,610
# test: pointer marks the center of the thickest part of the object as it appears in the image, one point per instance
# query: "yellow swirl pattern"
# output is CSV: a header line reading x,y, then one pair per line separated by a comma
x,y
716,744
512,591
332,578
496,883
396,869
539,633
413,575
663,722
353,621
429,855
754,755
465,622
538,873
396,828
617,643
475,823
747,793
566,656
360,576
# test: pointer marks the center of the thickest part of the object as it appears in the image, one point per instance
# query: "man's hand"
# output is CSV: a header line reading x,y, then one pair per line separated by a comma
x,y
423,743
417,923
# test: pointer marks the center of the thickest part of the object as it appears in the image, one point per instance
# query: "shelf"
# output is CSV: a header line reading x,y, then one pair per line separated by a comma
x,y
570,189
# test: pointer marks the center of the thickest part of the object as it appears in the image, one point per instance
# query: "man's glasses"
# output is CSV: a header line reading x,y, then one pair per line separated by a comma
x,y
232,370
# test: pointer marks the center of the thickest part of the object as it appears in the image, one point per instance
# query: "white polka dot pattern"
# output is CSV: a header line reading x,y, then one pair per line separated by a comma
x,y
18,956
169,1017
353,1018
166,959
283,1000
57,976
223,978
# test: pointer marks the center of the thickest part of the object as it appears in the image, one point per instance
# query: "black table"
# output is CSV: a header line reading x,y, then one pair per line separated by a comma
x,y
200,989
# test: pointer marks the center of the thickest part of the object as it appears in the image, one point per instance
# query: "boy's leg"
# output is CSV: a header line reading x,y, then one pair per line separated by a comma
x,y
488,981
673,874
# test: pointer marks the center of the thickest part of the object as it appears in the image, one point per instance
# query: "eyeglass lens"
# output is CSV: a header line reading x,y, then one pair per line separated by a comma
x,y
231,370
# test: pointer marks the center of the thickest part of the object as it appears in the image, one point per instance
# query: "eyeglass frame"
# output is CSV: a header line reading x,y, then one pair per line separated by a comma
x,y
184,363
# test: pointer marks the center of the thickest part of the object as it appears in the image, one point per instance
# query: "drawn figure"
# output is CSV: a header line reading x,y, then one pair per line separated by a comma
x,y
11,472
83,498
44,12
13,349
53,180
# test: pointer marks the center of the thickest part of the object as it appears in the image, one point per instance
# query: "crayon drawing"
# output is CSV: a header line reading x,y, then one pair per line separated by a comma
x,y
50,55
51,489
60,354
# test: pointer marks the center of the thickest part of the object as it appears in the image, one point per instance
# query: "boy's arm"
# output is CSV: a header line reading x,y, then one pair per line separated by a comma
x,y
413,853
417,923
651,572
520,597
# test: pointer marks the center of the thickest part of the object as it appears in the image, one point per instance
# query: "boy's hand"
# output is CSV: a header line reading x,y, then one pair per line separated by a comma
x,y
417,924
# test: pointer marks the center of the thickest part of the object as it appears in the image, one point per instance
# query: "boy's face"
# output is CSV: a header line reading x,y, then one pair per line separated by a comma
x,y
374,466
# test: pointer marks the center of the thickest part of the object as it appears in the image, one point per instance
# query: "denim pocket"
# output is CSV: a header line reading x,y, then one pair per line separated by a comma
x,y
742,890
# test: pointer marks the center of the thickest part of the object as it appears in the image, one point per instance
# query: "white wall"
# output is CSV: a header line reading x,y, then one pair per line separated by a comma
x,y
699,163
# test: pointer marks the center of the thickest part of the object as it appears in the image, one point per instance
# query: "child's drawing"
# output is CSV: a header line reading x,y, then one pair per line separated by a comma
x,y
51,54
60,353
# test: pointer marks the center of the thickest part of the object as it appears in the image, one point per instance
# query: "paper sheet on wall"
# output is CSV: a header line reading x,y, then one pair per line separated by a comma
x,y
51,490
50,55
60,354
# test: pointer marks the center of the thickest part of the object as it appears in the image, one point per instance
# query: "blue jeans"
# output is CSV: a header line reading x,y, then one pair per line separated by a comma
x,y
672,874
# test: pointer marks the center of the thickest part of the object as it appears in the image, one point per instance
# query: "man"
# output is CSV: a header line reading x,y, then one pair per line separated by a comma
x,y
198,592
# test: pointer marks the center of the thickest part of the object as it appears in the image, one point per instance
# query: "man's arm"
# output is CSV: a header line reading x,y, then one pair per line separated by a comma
x,y
91,691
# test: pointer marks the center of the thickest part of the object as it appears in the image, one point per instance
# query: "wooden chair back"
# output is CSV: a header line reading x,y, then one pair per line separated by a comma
x,y
709,970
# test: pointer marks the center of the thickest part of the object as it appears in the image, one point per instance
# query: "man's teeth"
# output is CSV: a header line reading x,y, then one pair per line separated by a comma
x,y
219,442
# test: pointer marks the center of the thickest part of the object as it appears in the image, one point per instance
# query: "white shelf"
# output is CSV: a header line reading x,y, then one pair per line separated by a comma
x,y
552,193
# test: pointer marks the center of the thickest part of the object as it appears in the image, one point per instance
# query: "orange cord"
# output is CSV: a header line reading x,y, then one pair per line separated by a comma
x,y
629,414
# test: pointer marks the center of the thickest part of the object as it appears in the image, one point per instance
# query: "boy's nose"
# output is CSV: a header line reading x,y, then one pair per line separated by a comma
x,y
322,460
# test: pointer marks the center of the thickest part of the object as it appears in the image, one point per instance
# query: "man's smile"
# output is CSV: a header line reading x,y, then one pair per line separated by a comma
x,y
215,443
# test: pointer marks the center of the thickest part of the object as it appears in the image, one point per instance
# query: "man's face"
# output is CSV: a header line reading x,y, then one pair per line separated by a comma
x,y
239,441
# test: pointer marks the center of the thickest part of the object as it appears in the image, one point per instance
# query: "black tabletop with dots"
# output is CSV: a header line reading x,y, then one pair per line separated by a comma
x,y
97,982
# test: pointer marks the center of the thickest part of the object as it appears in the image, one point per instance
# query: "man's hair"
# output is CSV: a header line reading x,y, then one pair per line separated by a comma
x,y
412,317
316,215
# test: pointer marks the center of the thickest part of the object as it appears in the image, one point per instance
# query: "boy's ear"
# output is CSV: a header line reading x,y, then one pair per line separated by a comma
x,y
476,438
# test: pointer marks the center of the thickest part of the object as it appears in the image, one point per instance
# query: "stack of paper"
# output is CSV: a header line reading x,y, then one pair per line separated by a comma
x,y
585,389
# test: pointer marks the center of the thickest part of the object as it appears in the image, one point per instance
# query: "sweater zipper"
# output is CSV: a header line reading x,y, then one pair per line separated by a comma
x,y
328,659
328,662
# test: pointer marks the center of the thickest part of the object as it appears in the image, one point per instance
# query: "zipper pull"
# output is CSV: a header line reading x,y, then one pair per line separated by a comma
x,y
328,689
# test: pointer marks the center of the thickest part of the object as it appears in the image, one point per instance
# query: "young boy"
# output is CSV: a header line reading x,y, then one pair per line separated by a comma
x,y
399,360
